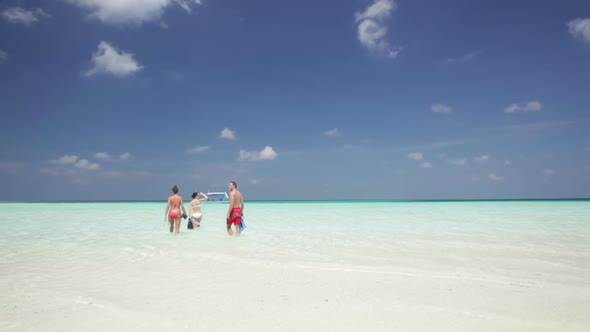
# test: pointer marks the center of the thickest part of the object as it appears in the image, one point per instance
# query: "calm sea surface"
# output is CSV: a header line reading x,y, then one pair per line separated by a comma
x,y
56,254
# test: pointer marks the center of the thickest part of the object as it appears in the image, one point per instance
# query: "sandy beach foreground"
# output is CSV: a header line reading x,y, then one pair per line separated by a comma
x,y
102,275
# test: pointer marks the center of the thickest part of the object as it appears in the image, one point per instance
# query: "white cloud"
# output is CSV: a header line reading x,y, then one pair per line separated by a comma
x,y
371,28
135,12
197,149
495,177
107,156
482,159
380,9
85,164
107,60
102,155
474,177
254,181
580,28
227,134
332,132
587,149
268,153
426,165
3,55
548,171
440,108
458,161
416,156
531,106
67,159
348,146
19,15
507,162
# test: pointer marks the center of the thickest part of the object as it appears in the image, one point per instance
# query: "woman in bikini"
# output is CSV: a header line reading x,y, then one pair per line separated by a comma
x,y
175,204
195,208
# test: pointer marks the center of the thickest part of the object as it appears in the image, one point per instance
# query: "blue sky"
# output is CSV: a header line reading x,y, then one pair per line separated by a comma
x,y
122,99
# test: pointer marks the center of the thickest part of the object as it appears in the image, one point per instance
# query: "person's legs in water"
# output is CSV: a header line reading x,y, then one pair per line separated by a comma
x,y
171,221
237,226
229,230
177,225
236,220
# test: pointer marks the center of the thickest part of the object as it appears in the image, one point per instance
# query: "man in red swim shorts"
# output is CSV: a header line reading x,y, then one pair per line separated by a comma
x,y
236,209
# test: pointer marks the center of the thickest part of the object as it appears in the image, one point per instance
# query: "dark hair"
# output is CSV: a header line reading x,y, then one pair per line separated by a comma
x,y
234,183
175,189
195,194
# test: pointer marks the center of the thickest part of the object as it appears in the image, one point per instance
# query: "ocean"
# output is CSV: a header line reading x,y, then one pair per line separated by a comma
x,y
298,266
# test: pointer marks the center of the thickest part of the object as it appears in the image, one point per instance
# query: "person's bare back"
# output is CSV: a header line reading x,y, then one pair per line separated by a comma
x,y
175,204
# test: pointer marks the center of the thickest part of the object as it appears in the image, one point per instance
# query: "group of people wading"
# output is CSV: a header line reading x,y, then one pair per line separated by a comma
x,y
176,205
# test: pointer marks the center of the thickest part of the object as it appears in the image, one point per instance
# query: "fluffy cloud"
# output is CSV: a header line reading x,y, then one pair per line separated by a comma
x,y
371,29
227,133
67,159
426,165
134,12
74,161
580,28
108,157
531,106
482,159
379,10
102,155
197,149
440,108
265,154
19,15
3,55
548,171
458,161
416,156
332,132
495,177
85,164
107,60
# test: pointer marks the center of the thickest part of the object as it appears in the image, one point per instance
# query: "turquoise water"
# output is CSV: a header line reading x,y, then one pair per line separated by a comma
x,y
56,254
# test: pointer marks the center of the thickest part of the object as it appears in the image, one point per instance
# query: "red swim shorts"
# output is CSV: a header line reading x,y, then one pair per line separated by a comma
x,y
235,217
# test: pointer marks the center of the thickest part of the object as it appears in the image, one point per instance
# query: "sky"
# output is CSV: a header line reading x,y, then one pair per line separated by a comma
x,y
331,99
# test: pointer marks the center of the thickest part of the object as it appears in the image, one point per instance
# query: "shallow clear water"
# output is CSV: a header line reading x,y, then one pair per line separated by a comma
x,y
55,255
